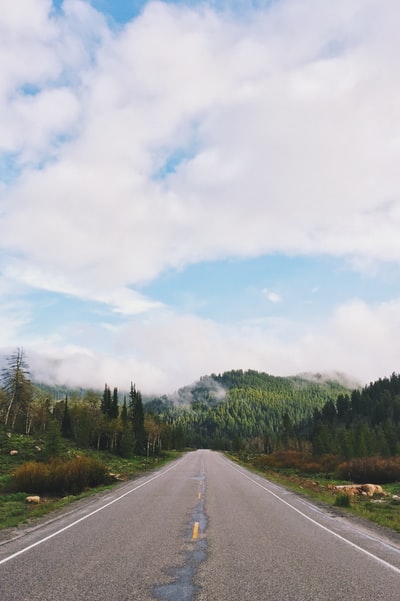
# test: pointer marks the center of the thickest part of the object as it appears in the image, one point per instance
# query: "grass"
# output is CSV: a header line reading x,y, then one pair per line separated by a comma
x,y
15,510
342,500
384,511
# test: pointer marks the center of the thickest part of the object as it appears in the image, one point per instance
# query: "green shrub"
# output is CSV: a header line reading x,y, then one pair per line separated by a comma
x,y
60,477
342,500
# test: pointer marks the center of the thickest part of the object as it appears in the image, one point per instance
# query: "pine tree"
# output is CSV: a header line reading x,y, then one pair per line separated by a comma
x,y
346,444
52,439
343,407
106,401
66,425
15,379
361,438
124,413
137,417
114,409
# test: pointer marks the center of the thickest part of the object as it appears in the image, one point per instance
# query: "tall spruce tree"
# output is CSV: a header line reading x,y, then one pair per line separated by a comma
x,y
52,440
114,409
124,413
137,417
66,424
106,401
125,441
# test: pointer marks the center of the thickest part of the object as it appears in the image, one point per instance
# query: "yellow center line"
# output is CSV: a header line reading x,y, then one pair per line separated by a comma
x,y
195,533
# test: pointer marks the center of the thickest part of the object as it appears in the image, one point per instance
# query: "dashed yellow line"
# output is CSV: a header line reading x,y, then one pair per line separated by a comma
x,y
195,532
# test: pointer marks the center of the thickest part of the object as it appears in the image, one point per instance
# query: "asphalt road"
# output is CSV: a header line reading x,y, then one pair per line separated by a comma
x,y
200,529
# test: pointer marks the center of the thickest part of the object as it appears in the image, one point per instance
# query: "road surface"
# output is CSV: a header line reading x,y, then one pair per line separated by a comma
x,y
200,529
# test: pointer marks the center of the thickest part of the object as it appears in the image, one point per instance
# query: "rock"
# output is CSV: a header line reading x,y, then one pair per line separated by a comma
x,y
360,489
33,499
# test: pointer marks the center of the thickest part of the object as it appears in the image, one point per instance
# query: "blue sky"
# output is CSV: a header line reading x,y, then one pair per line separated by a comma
x,y
190,187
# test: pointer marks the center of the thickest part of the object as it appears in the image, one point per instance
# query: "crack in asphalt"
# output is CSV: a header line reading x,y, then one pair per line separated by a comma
x,y
183,588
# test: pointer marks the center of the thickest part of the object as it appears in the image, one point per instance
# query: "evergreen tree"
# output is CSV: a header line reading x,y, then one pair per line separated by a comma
x,y
343,407
178,437
322,440
391,436
137,417
66,424
52,439
124,413
328,412
346,444
106,401
287,431
382,443
114,409
361,439
15,379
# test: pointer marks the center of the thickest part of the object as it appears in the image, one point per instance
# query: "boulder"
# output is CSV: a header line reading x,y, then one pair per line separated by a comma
x,y
360,489
33,499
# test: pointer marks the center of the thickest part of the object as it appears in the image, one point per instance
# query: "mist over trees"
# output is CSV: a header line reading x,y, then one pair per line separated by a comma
x,y
232,411
88,418
243,408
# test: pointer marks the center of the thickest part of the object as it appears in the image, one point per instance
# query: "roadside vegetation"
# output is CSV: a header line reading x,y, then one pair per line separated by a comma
x,y
318,476
74,474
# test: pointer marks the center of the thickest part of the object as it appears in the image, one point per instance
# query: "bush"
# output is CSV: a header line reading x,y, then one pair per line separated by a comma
x,y
283,459
342,500
32,476
60,477
378,470
298,460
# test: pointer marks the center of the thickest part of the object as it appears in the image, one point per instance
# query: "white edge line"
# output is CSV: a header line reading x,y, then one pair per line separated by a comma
x,y
85,517
304,515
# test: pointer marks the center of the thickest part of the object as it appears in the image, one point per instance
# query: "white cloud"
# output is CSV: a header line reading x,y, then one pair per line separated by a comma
x,y
120,300
79,367
290,139
166,350
358,340
282,129
128,302
273,297
43,61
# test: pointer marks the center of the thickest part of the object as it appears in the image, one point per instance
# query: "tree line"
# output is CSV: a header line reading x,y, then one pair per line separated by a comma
x,y
229,411
89,419
363,423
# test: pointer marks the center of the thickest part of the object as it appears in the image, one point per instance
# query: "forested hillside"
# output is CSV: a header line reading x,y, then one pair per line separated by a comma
x,y
243,407
364,423
230,411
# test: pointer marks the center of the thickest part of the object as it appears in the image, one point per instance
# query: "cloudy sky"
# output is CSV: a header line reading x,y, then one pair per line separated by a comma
x,y
189,187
